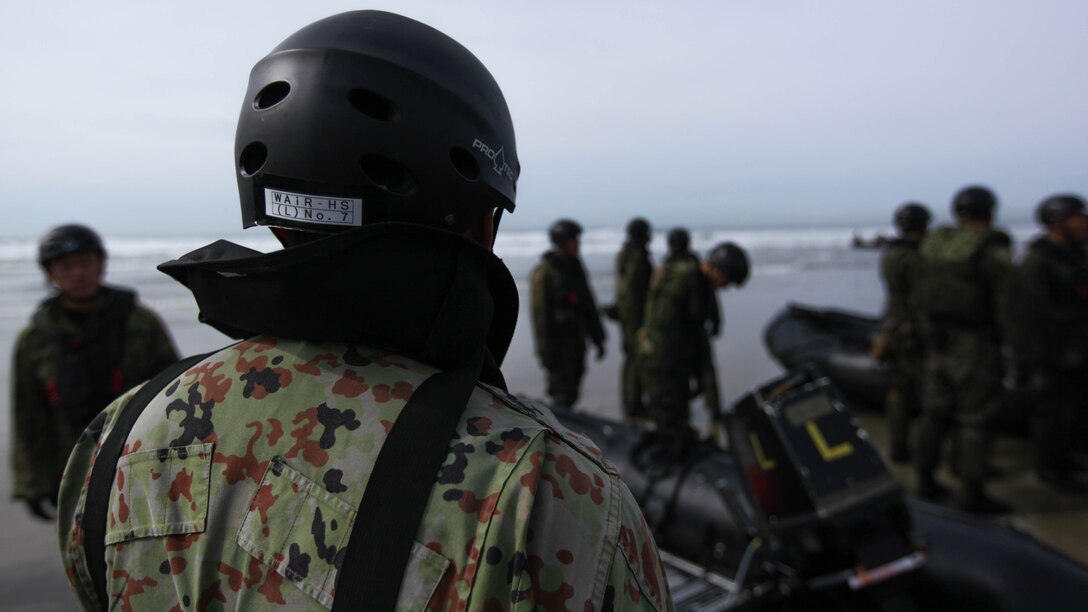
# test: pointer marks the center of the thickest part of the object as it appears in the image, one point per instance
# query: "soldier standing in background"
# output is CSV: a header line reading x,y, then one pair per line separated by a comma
x,y
964,292
366,456
633,272
1051,338
900,340
84,346
564,314
674,330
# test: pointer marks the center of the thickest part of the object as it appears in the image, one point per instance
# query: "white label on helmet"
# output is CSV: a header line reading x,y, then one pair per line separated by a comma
x,y
306,208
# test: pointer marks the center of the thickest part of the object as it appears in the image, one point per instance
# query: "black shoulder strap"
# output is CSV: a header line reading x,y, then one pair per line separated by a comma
x,y
96,508
396,495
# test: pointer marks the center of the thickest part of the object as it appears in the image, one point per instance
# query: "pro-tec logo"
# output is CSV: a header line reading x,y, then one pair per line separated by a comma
x,y
497,158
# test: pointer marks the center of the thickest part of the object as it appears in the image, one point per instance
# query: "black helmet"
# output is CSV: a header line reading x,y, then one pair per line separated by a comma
x,y
731,261
368,116
1059,208
912,217
67,239
638,230
563,231
679,241
974,202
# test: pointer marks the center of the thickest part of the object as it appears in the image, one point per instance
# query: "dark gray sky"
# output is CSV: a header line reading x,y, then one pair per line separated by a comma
x,y
740,113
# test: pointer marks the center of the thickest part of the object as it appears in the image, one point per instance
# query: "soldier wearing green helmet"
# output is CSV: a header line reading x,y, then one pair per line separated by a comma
x,y
85,344
964,293
1051,339
900,339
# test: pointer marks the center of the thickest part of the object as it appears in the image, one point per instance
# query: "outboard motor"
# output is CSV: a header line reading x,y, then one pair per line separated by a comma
x,y
830,514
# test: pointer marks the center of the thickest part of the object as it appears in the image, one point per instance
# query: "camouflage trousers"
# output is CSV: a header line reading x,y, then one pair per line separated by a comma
x,y
668,395
904,402
961,388
631,387
564,373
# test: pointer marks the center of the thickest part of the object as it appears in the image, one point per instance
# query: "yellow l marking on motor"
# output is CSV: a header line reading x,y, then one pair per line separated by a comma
x,y
829,453
764,463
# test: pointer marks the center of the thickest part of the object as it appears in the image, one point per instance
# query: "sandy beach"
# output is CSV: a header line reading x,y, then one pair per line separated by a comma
x,y
31,577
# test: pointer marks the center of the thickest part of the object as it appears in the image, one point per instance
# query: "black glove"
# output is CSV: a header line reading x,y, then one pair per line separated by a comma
x,y
600,351
42,506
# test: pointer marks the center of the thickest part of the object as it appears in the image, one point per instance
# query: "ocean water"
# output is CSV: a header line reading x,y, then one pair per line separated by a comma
x,y
808,265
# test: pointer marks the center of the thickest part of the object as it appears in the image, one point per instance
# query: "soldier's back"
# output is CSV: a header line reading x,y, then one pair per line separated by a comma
x,y
275,440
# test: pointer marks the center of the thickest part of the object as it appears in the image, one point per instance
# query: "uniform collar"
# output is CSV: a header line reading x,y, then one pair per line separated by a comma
x,y
427,293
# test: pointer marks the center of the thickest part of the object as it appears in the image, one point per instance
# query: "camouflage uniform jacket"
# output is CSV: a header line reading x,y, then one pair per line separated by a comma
x,y
563,308
633,271
1052,308
67,367
676,315
238,486
965,282
899,270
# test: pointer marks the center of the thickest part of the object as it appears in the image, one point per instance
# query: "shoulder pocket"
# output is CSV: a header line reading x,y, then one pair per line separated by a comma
x,y
160,492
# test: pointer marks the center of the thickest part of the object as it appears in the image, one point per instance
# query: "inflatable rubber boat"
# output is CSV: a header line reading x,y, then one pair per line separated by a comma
x,y
799,512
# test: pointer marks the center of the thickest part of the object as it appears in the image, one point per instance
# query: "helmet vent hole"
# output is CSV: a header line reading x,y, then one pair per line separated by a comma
x,y
271,95
465,163
388,174
253,158
372,105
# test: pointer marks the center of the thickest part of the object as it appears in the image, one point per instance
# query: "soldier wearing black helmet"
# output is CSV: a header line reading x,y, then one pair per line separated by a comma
x,y
674,344
86,344
358,449
900,339
633,271
963,293
564,314
1051,338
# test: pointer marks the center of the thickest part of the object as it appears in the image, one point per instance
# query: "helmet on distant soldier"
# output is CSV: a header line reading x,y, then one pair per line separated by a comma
x,y
563,231
66,240
679,241
731,261
366,117
1058,208
974,202
912,217
638,230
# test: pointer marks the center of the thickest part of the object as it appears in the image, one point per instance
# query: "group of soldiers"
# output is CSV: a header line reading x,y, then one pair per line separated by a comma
x,y
978,341
667,318
372,455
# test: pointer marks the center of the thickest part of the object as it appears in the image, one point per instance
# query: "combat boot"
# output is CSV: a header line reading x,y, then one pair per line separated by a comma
x,y
976,501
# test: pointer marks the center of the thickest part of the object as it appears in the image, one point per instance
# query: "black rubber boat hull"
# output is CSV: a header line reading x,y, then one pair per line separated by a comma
x,y
700,511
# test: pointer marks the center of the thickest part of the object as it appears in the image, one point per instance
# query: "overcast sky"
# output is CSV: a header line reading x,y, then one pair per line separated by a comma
x,y
734,113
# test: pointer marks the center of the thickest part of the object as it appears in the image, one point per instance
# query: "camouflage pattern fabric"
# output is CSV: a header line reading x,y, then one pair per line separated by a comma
x,y
564,315
671,340
47,414
633,271
1051,345
902,337
962,367
237,489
